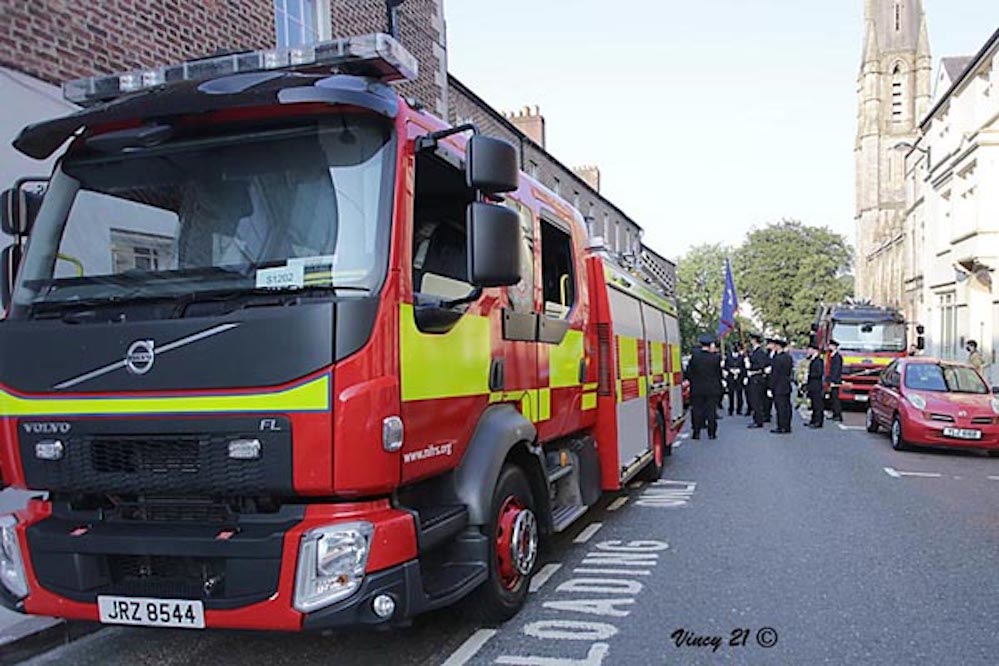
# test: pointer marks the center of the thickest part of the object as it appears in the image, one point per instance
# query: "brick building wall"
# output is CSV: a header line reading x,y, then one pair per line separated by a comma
x,y
422,32
620,232
56,40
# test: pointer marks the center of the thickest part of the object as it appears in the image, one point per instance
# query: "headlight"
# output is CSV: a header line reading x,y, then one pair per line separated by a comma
x,y
995,406
917,401
331,562
11,566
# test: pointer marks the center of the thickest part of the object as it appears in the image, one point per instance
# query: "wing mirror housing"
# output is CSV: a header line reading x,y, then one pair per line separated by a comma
x,y
491,165
19,207
493,245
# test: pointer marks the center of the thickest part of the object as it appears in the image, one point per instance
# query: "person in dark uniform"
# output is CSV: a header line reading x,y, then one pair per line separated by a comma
x,y
768,394
713,348
756,389
816,396
835,380
704,374
734,371
780,379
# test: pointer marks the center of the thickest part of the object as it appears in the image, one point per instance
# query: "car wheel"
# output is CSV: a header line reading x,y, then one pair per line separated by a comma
x,y
872,421
897,437
514,534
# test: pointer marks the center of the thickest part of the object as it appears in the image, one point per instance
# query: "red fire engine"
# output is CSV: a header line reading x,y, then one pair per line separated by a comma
x,y
870,338
287,352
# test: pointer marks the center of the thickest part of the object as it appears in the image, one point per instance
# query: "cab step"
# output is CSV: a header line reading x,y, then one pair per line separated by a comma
x,y
564,516
557,472
453,581
437,524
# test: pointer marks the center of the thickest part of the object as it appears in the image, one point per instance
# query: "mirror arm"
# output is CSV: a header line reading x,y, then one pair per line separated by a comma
x,y
429,141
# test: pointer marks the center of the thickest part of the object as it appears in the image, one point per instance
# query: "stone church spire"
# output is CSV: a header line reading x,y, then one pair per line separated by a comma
x,y
893,91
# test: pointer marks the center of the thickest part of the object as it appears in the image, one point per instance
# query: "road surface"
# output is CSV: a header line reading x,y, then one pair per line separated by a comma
x,y
822,546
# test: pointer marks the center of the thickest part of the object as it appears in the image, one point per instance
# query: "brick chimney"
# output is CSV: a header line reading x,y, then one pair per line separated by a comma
x,y
589,173
529,121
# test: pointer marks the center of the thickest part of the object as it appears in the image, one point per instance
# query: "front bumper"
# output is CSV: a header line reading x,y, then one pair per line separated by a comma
x,y
70,562
922,432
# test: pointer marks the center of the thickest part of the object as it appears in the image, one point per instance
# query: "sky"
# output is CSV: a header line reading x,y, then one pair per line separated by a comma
x,y
707,119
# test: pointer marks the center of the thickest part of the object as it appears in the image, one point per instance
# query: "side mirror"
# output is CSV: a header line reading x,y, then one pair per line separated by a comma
x,y
995,390
920,342
18,208
491,165
493,245
10,259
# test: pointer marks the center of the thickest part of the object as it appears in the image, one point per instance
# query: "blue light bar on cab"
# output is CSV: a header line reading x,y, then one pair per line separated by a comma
x,y
376,55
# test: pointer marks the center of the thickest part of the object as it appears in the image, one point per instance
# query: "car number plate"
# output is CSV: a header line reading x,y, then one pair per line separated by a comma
x,y
141,611
860,397
962,433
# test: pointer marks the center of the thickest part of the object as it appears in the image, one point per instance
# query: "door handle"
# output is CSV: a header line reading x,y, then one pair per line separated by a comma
x,y
497,380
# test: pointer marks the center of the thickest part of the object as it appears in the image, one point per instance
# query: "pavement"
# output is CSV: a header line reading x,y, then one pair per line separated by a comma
x,y
818,547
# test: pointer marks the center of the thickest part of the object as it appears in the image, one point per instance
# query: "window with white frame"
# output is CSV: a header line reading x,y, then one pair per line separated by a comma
x,y
300,22
131,250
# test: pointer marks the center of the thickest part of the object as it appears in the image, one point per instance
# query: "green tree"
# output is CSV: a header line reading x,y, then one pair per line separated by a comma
x,y
700,276
786,269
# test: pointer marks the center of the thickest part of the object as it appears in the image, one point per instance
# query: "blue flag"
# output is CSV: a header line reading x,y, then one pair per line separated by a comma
x,y
730,304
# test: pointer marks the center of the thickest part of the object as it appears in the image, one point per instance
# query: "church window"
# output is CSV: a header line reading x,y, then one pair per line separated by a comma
x,y
897,93
898,16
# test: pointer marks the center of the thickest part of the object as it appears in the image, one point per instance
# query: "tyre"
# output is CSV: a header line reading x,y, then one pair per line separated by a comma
x,y
872,421
661,450
513,548
897,437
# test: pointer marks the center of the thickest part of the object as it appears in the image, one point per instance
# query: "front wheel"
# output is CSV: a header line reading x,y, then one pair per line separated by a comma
x,y
872,421
513,548
897,438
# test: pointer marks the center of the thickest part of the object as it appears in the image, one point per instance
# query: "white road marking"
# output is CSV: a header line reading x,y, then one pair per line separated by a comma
x,y
677,444
618,503
636,484
470,647
993,478
543,575
894,473
684,435
587,533
846,427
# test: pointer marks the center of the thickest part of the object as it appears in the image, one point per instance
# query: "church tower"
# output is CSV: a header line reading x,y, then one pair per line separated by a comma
x,y
894,96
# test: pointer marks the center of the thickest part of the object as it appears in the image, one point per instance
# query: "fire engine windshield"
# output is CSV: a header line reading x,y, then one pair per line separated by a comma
x,y
870,337
281,209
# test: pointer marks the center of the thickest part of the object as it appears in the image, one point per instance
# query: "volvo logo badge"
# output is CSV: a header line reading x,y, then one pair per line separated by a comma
x,y
140,357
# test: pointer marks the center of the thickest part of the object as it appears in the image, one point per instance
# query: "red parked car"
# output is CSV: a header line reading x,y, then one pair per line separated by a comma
x,y
928,402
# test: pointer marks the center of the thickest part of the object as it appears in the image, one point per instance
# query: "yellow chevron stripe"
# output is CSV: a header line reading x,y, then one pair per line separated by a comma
x,y
311,396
